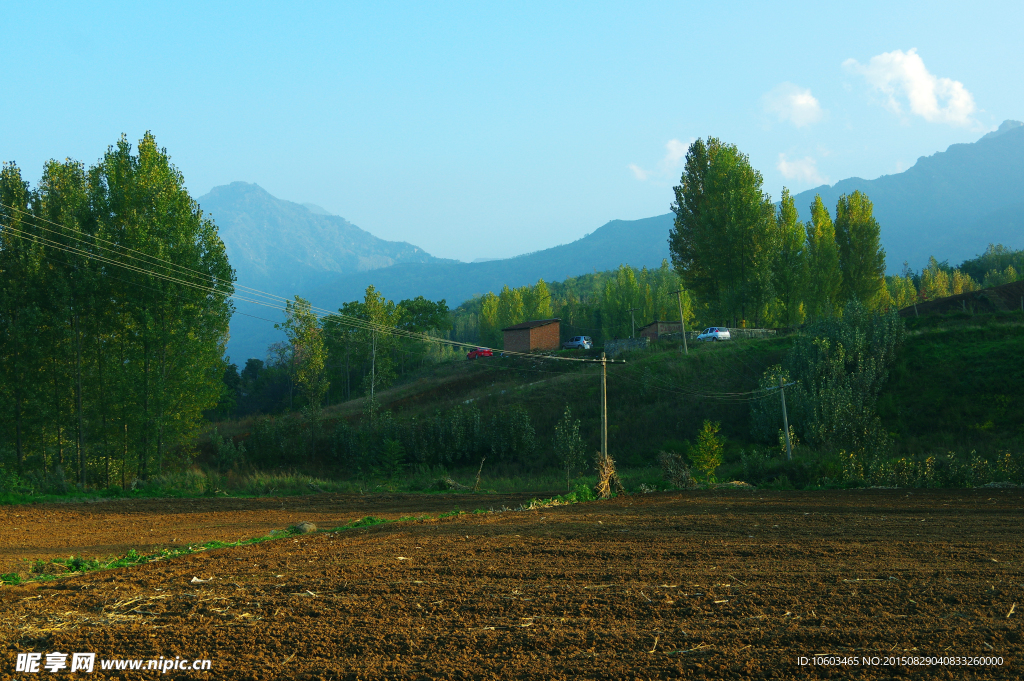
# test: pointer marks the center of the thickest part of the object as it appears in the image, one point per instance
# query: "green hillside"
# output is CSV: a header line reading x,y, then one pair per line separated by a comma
x,y
956,385
952,390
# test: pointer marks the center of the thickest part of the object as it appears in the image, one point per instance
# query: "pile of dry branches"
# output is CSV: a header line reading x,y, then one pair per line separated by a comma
x,y
607,479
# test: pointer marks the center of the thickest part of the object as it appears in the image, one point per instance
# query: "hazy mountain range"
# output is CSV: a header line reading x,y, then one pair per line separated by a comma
x,y
951,205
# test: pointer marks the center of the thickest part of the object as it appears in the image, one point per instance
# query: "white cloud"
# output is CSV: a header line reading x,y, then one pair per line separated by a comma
x,y
794,104
675,153
804,170
902,76
639,172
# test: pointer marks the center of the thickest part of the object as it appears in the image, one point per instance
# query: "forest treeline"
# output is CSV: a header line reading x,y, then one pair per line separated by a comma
x,y
106,370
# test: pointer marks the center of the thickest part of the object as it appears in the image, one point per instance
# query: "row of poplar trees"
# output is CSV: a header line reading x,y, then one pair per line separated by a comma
x,y
113,317
748,260
604,305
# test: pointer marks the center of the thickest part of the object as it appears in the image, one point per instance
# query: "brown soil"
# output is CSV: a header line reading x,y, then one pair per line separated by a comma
x,y
719,584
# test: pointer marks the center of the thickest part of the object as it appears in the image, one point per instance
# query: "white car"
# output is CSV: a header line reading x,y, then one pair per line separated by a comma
x,y
578,343
715,333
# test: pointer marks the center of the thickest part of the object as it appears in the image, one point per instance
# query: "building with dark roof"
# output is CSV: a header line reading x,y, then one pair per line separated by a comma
x,y
539,334
656,329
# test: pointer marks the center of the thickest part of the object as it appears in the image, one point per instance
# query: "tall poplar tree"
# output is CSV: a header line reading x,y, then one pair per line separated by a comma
x,y
824,279
306,335
106,364
861,256
789,266
490,328
20,260
723,241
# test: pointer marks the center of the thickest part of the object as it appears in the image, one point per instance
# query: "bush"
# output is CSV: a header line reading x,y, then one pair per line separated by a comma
x,y
675,470
839,367
707,454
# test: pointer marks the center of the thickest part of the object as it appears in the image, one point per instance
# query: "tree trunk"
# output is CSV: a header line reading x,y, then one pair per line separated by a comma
x,y
103,416
17,429
78,401
160,407
144,450
56,400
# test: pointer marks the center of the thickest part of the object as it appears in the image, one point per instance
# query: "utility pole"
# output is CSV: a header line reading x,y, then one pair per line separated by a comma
x,y
604,405
633,321
679,297
785,421
373,366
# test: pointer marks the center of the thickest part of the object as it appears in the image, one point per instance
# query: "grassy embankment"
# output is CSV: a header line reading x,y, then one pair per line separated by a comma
x,y
958,384
953,389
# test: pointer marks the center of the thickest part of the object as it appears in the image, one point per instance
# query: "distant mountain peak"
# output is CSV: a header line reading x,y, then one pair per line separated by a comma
x,y
316,210
1005,127
949,205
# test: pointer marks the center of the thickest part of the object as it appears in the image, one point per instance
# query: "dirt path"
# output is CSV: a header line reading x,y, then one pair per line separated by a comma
x,y
680,585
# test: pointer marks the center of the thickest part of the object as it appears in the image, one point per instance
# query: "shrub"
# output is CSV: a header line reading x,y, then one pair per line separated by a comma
x,y
675,470
839,367
707,454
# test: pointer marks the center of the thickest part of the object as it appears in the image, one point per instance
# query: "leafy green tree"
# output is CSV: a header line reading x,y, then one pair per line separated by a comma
x,y
621,294
824,278
378,343
789,267
569,445
304,331
939,280
20,263
839,367
114,331
707,453
993,267
511,310
999,277
900,292
723,241
422,315
861,256
490,328
511,434
537,301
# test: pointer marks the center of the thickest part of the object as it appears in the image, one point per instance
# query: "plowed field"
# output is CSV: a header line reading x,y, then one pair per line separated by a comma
x,y
725,584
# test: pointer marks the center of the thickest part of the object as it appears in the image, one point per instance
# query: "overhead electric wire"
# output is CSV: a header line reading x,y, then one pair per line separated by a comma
x,y
355,322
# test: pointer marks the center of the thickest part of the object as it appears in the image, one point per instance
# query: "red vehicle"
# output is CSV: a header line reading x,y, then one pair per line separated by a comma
x,y
479,352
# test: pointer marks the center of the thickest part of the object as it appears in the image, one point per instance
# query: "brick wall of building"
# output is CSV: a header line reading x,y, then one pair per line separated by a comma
x,y
547,337
517,340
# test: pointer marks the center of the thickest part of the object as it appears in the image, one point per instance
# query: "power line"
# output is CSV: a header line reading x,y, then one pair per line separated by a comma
x,y
321,313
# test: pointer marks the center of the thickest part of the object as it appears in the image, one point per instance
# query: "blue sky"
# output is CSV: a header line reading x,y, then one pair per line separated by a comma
x,y
489,130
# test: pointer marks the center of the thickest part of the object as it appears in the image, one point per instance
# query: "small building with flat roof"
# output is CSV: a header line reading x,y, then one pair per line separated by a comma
x,y
656,329
539,334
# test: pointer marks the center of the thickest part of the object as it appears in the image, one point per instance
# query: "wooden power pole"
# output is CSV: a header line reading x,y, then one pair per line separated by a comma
x,y
682,322
633,321
604,405
785,421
